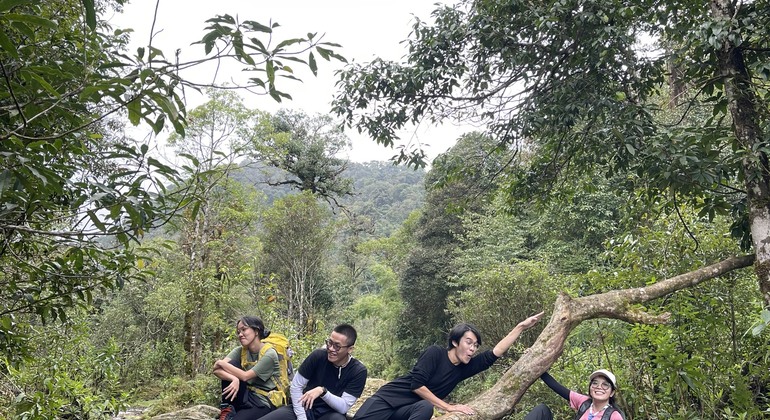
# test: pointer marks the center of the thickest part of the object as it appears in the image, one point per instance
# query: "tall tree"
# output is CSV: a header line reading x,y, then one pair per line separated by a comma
x,y
298,235
76,196
306,149
219,216
424,284
570,80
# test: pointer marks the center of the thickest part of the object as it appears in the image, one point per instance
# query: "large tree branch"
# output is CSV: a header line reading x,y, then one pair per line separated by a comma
x,y
567,314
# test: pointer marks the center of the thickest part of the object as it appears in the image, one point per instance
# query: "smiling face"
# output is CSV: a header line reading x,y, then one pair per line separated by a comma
x,y
337,348
600,389
466,347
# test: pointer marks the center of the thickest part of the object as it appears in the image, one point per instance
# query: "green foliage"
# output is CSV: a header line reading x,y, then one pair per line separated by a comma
x,y
66,377
688,369
174,393
306,150
376,314
424,282
75,194
524,288
384,193
297,236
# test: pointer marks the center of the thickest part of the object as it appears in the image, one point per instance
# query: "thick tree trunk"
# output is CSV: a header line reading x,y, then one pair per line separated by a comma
x,y
743,103
570,312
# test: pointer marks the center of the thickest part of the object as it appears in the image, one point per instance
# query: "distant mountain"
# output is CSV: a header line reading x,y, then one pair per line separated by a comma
x,y
383,192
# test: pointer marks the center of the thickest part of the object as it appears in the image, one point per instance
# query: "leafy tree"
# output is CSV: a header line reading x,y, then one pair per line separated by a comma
x,y
306,149
298,234
75,194
424,282
569,79
221,216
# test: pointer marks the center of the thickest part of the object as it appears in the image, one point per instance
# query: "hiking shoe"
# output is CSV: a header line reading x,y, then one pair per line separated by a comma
x,y
227,412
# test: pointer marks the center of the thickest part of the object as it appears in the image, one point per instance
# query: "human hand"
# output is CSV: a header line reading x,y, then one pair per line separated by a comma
x,y
307,398
231,390
461,408
531,321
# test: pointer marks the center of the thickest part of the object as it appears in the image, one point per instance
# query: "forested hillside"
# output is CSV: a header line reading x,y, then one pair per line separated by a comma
x,y
623,194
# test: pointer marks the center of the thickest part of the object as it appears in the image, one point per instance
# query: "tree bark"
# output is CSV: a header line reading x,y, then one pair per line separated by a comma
x,y
568,313
742,102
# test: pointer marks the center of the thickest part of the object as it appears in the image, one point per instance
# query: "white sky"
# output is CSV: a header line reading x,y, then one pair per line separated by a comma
x,y
365,28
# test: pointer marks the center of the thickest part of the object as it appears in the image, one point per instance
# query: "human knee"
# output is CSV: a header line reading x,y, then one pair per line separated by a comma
x,y
540,412
422,410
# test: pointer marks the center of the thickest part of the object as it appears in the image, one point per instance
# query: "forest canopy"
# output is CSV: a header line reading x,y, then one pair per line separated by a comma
x,y
621,190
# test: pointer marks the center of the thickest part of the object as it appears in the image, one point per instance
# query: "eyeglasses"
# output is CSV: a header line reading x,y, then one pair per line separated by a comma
x,y
472,344
334,346
600,384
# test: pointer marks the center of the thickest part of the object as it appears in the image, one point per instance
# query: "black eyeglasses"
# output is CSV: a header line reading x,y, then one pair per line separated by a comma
x,y
334,346
600,384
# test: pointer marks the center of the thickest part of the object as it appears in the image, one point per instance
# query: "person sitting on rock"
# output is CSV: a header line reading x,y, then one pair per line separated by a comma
x,y
328,382
246,375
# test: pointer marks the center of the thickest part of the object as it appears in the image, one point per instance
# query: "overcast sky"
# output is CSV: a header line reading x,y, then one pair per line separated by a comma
x,y
365,28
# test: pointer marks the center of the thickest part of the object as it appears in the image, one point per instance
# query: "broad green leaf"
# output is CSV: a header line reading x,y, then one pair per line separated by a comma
x,y
31,19
90,13
7,45
312,63
256,26
10,4
134,111
270,72
44,83
287,42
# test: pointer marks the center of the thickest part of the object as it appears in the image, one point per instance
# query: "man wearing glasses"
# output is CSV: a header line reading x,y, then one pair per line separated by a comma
x,y
327,383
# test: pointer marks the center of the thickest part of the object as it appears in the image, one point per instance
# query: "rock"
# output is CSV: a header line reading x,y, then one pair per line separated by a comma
x,y
207,412
198,412
372,385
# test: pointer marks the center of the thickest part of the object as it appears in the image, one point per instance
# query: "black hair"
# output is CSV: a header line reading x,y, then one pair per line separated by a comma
x,y
348,331
256,324
457,333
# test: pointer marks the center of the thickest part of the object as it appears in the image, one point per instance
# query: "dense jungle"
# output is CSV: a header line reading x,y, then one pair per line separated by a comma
x,y
618,181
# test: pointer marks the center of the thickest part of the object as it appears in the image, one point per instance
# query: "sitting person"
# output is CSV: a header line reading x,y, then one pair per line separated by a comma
x,y
246,376
435,375
599,405
327,383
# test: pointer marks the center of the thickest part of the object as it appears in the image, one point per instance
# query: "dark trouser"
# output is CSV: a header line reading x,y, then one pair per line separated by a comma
x,y
540,412
248,406
287,413
375,408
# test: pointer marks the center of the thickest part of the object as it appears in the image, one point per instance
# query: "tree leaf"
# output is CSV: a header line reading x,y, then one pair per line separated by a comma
x,y
31,19
312,63
7,45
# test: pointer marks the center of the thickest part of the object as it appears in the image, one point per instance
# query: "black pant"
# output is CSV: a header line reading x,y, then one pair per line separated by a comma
x,y
375,408
287,413
248,406
540,412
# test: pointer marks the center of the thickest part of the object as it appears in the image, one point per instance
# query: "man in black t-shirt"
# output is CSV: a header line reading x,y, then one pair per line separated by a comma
x,y
436,373
328,382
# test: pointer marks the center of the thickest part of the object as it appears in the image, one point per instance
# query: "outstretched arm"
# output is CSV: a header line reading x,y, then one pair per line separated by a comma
x,y
512,336
427,395
555,385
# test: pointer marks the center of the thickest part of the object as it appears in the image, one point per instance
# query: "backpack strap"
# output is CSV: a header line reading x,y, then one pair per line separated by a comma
x,y
608,412
583,408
